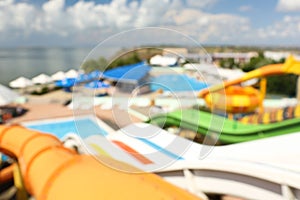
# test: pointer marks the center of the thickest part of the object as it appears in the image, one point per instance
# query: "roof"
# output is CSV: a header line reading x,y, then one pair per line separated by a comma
x,y
132,72
163,60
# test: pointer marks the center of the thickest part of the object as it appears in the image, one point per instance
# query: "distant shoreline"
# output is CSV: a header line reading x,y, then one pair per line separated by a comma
x,y
213,46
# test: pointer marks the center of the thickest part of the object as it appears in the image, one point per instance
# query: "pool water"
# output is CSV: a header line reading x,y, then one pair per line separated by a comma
x,y
85,127
176,83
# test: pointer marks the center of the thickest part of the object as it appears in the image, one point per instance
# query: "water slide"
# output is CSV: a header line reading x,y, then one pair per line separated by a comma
x,y
51,171
228,131
261,169
221,96
291,66
232,131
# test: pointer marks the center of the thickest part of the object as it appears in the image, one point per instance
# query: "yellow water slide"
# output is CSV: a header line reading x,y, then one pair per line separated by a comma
x,y
243,98
51,171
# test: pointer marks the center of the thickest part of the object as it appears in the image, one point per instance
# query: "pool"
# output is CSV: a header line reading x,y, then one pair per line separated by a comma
x,y
176,83
83,126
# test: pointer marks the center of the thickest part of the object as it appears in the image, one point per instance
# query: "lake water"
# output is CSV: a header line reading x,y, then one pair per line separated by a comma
x,y
29,62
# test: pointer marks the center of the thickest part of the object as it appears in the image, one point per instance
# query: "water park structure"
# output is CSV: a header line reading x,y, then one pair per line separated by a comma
x,y
230,98
47,170
266,168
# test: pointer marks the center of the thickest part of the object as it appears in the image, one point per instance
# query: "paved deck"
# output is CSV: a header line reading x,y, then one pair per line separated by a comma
x,y
116,118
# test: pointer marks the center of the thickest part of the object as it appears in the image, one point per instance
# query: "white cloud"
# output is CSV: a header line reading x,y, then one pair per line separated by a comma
x,y
4,3
245,8
201,3
88,22
53,18
157,12
288,5
211,28
287,28
15,16
54,6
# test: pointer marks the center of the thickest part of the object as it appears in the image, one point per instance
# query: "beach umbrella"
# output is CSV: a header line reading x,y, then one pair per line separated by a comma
x,y
82,78
42,79
96,85
60,75
7,95
95,75
71,73
67,82
20,82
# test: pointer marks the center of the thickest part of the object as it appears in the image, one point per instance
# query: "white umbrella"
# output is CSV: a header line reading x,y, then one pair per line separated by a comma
x,y
42,79
71,73
7,95
20,82
60,75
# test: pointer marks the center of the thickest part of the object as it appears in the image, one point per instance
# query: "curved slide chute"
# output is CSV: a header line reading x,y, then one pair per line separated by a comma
x,y
51,171
235,99
6,174
231,132
291,66
261,169
220,96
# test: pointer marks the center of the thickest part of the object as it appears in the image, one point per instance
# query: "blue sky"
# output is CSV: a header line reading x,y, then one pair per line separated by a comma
x,y
261,13
81,23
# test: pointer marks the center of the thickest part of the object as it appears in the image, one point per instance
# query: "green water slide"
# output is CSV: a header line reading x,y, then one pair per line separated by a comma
x,y
228,131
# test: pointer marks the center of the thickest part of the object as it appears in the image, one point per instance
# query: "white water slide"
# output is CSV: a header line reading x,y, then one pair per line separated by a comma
x,y
261,169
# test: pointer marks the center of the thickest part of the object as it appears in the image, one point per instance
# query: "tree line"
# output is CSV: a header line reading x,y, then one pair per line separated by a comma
x,y
124,57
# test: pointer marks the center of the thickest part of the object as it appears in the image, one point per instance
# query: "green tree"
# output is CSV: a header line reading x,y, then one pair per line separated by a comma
x,y
257,62
130,58
92,65
102,63
229,63
285,84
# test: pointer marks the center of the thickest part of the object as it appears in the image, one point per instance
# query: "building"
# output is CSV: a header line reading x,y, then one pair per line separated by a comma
x,y
237,57
278,55
130,77
166,61
198,57
203,57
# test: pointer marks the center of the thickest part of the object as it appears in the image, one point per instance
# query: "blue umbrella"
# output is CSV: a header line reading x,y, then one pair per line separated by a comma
x,y
96,85
89,77
95,75
68,82
83,78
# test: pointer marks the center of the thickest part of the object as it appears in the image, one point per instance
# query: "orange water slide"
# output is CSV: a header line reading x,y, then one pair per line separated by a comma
x,y
50,171
6,174
291,66
235,99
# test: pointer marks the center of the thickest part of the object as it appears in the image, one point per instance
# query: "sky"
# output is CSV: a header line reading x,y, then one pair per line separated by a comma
x,y
86,22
